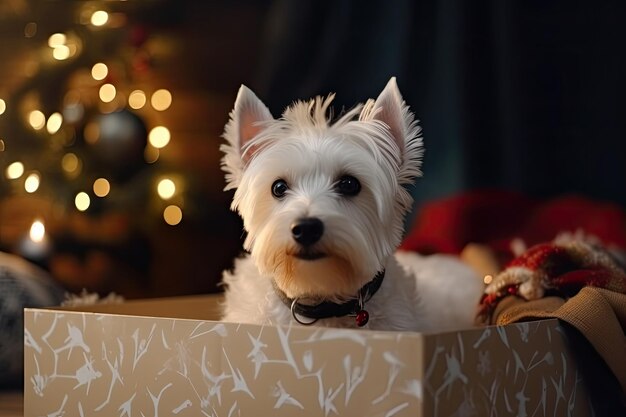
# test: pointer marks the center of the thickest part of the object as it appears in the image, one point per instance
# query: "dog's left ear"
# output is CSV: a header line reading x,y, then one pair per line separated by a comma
x,y
246,122
390,109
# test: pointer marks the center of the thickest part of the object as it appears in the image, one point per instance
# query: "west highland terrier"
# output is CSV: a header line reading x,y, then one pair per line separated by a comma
x,y
323,204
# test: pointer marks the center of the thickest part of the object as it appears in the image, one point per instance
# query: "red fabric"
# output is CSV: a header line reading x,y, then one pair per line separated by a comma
x,y
495,218
562,268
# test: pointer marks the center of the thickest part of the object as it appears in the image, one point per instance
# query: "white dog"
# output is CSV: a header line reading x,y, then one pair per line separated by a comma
x,y
323,205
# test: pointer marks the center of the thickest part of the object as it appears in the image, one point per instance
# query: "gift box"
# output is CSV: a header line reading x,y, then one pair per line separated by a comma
x,y
174,357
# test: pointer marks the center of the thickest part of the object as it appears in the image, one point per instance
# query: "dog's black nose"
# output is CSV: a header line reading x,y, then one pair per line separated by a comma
x,y
307,231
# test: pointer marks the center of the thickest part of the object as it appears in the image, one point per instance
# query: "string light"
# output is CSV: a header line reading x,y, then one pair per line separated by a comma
x,y
36,119
54,123
37,231
137,99
166,188
31,184
99,71
159,137
99,18
101,187
61,52
107,93
172,215
161,100
60,49
15,170
64,124
82,201
56,40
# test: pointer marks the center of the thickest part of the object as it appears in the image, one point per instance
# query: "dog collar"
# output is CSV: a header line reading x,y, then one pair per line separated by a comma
x,y
327,309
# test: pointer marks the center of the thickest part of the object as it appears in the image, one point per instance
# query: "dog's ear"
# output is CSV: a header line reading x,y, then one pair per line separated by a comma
x,y
246,122
247,119
389,108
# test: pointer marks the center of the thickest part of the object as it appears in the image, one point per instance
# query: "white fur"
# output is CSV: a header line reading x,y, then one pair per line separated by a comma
x,y
379,143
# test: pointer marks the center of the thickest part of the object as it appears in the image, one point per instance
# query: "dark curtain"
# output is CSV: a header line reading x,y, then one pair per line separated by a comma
x,y
517,95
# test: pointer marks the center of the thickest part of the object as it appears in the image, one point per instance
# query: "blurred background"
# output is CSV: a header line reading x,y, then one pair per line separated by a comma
x,y
111,114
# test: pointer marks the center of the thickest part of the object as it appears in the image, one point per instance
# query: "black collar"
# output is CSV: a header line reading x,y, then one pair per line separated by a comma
x,y
327,309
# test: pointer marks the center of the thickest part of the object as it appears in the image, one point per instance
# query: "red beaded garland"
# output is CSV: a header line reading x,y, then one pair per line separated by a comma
x,y
362,317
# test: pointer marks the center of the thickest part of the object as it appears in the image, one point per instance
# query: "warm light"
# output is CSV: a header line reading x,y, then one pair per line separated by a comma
x,y
172,215
69,162
31,184
101,187
3,106
161,99
61,52
1,145
82,201
15,170
487,280
99,18
166,188
99,71
54,123
37,231
137,99
159,137
36,119
56,40
107,93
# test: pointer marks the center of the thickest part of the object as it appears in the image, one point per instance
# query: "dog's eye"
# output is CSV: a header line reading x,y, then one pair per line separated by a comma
x,y
279,188
348,185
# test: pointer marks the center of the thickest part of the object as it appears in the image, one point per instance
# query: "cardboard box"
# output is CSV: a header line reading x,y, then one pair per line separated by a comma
x,y
168,357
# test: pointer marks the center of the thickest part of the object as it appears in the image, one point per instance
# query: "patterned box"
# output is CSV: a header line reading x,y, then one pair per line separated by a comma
x,y
168,357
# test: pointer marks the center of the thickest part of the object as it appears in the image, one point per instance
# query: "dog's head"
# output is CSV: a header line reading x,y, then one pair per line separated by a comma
x,y
323,202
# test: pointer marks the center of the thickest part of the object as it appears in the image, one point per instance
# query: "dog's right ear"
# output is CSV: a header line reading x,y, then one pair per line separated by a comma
x,y
247,120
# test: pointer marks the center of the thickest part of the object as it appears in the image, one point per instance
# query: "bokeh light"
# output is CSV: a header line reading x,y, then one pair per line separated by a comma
x,y
99,71
31,184
99,18
37,231
54,123
3,106
161,99
159,137
15,170
82,201
36,119
56,40
166,188
101,187
107,93
172,215
61,52
137,99
71,165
